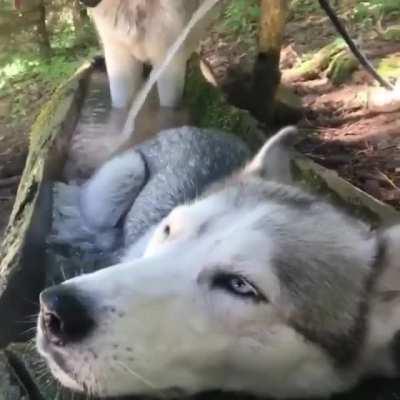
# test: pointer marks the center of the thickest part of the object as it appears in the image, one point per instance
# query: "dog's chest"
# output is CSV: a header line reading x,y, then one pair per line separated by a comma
x,y
145,27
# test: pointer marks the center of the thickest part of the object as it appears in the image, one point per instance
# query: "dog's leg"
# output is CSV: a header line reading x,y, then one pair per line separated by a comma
x,y
172,82
124,73
109,194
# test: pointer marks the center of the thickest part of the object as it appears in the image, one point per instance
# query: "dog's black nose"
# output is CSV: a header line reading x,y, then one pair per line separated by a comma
x,y
64,317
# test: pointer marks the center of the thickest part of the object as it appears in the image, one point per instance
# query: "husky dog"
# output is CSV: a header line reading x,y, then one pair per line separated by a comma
x,y
134,32
134,190
255,286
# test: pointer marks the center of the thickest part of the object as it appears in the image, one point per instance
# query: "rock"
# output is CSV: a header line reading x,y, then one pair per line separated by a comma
x,y
382,100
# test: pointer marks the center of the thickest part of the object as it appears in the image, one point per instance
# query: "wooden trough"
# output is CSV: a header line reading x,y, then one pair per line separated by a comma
x,y
24,265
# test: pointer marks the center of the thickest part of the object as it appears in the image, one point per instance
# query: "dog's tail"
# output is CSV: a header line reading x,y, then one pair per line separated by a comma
x,y
140,99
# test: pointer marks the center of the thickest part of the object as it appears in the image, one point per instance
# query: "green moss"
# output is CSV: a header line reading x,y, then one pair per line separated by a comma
x,y
319,61
209,108
47,126
392,33
341,67
389,67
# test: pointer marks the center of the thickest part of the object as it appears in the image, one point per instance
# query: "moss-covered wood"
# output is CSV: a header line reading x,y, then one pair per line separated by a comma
x,y
22,250
341,67
209,108
319,62
327,183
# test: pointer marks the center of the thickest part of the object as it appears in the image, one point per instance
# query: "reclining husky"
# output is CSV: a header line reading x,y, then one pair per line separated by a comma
x,y
131,193
255,286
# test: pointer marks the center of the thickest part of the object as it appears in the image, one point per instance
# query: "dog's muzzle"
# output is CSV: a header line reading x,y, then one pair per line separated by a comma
x,y
90,3
64,317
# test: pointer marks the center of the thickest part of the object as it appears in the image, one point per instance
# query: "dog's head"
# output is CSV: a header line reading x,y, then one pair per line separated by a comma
x,y
256,286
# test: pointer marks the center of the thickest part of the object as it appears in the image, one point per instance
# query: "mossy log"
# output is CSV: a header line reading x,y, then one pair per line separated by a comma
x,y
22,250
326,182
209,108
319,62
341,67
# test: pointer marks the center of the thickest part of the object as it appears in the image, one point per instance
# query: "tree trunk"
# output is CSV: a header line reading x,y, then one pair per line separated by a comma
x,y
44,40
272,25
78,15
266,72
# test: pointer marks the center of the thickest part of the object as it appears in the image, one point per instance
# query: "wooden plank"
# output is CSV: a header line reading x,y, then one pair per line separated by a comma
x,y
22,251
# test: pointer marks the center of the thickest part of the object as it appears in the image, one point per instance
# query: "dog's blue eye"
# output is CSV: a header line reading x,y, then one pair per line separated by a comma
x,y
237,285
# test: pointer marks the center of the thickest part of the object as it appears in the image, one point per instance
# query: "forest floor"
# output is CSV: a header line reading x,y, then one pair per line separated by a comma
x,y
341,132
363,146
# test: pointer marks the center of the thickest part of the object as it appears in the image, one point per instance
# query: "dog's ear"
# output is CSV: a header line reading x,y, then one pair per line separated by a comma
x,y
273,160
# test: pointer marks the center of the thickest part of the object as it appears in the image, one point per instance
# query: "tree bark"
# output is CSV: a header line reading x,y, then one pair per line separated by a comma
x,y
44,40
266,72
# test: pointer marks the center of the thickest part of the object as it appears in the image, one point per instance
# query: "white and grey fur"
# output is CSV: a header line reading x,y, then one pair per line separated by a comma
x,y
134,32
255,286
134,190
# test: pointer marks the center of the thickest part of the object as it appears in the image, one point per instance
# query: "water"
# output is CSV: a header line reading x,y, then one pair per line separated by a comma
x,y
97,136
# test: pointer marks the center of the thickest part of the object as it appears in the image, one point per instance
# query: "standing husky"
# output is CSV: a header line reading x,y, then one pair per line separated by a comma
x,y
134,32
256,286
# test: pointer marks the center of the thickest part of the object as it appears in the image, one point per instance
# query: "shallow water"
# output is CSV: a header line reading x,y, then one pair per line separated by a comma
x,y
93,141
97,136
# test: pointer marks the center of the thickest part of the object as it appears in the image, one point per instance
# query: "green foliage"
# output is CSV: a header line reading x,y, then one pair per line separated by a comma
x,y
27,78
241,16
374,9
302,8
363,12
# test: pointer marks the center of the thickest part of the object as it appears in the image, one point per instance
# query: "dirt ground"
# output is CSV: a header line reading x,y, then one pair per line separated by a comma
x,y
360,144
